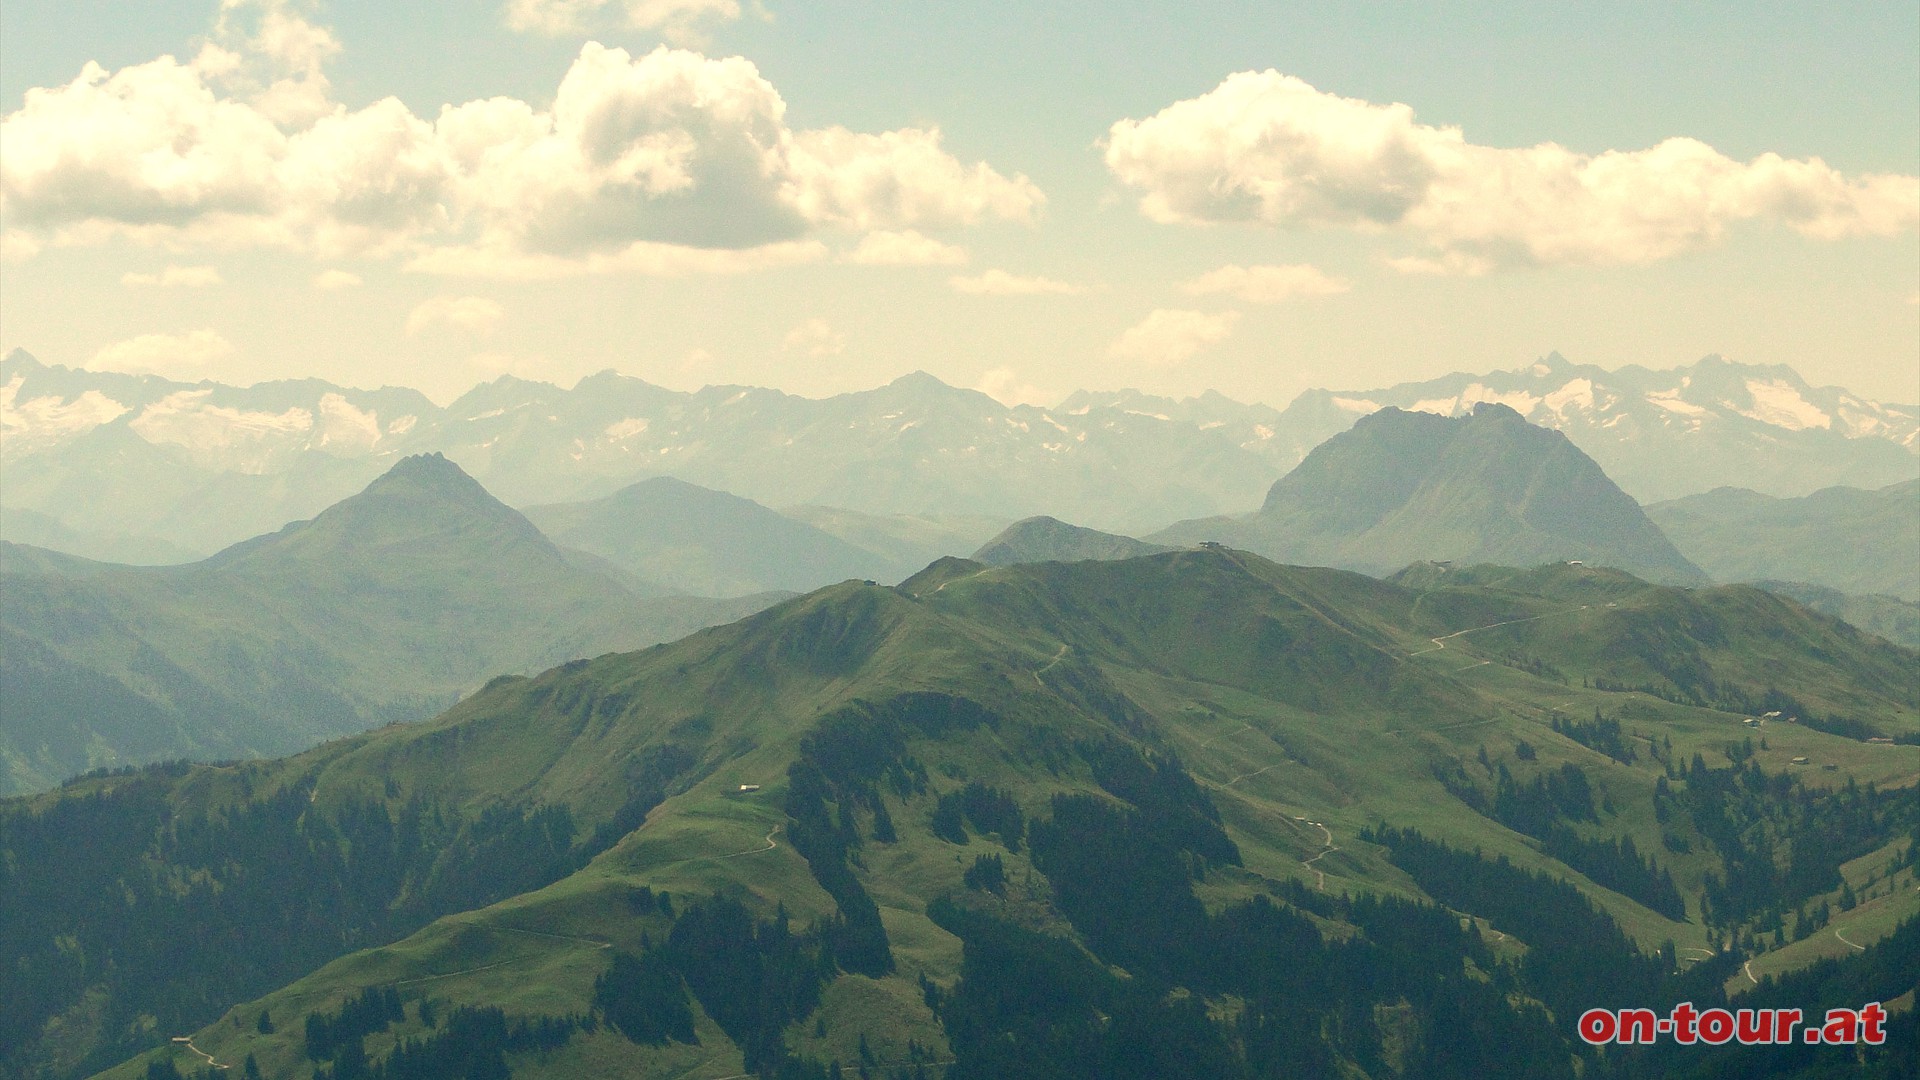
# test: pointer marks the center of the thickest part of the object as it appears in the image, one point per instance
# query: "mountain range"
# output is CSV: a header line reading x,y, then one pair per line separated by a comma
x,y
1859,542
387,606
1188,813
119,464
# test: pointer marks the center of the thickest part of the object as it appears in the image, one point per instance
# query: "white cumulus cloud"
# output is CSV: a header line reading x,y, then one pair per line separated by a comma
x,y
1267,284
1170,336
333,280
641,163
1268,148
815,337
1006,386
904,247
473,314
190,277
174,355
1001,283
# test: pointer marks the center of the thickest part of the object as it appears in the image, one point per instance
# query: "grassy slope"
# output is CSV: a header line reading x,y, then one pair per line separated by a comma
x,y
1295,696
1045,539
1856,541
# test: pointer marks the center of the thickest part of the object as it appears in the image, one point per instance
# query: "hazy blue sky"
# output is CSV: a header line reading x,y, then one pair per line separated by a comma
x,y
290,199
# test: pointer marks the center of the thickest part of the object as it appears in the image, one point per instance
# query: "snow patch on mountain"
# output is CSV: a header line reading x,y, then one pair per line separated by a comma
x,y
1671,401
622,430
43,422
345,427
186,419
1578,393
1520,401
1777,403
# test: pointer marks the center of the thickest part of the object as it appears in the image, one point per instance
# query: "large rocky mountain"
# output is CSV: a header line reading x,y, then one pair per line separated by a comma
x,y
1855,541
120,464
1192,814
1661,434
1403,487
387,606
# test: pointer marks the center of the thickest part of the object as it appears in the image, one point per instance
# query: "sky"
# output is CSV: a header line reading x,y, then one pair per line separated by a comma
x,y
1029,199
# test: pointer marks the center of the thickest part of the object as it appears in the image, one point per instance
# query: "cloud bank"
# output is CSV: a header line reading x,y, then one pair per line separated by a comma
x,y
1268,284
1170,336
182,356
671,162
1266,148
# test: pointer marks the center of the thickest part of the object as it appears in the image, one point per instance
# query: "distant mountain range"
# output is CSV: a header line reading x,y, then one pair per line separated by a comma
x,y
1859,542
684,538
1403,487
385,607
122,465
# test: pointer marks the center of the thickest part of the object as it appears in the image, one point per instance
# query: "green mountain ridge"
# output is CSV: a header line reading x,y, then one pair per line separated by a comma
x,y
692,540
1402,487
1046,539
387,606
912,788
1856,541
1890,617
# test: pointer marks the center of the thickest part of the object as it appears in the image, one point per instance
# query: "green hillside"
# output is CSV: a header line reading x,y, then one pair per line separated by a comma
x,y
1859,542
1045,539
1188,814
691,540
904,542
1890,617
386,607
1401,487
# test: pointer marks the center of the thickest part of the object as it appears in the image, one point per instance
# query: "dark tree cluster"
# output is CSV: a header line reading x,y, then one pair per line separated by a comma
x,y
1618,865
1602,734
1577,958
177,916
991,812
471,1044
1779,840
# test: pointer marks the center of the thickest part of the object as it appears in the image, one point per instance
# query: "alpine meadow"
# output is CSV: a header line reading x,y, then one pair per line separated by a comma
x,y
711,540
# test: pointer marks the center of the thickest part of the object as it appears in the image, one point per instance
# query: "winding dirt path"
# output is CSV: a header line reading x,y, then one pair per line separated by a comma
x,y
187,1041
755,851
1321,884
1256,772
1057,657
955,581
1843,937
1440,642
